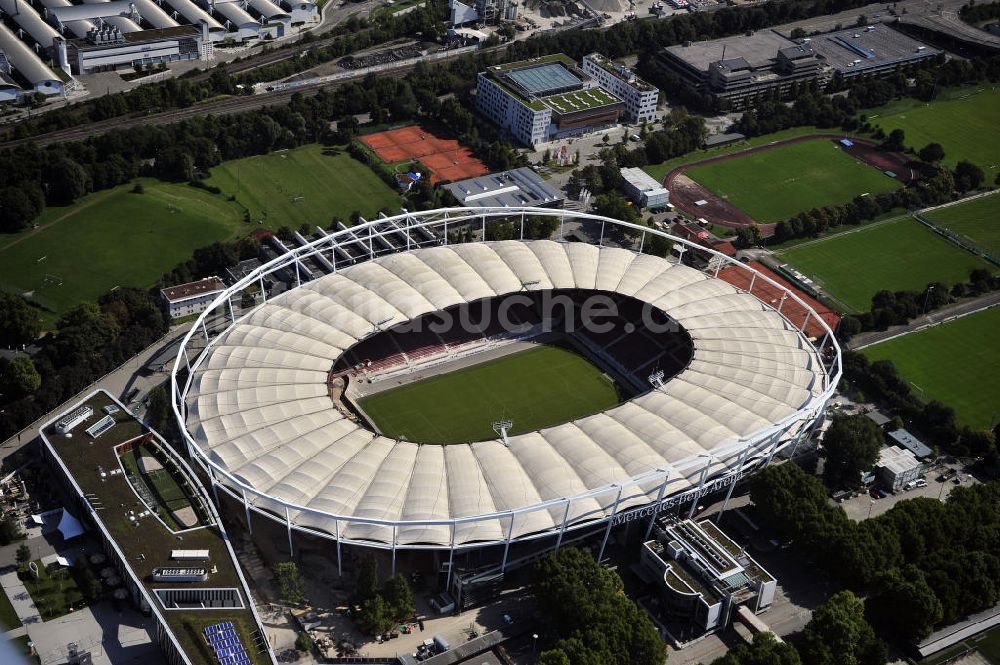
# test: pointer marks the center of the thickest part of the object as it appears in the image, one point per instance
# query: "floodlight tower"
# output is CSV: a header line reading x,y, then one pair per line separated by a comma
x,y
656,378
501,427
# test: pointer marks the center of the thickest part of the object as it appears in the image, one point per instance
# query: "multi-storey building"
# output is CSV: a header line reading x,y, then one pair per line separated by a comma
x,y
193,297
640,97
544,99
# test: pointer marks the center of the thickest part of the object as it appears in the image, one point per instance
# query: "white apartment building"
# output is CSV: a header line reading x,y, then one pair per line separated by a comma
x,y
193,297
527,121
640,97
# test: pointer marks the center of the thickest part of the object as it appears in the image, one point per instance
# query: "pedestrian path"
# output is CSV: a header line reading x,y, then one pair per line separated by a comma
x,y
24,606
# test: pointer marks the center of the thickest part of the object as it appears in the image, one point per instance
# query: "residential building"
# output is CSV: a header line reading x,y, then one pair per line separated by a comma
x,y
896,467
702,575
544,99
193,297
643,189
640,97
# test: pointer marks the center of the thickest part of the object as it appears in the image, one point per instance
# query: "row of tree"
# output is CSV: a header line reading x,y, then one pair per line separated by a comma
x,y
922,563
593,620
89,340
878,381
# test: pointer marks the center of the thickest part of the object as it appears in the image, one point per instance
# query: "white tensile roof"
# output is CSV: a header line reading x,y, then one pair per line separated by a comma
x,y
259,405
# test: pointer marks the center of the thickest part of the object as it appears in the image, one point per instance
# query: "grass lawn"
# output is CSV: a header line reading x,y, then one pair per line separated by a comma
x,y
166,493
978,219
777,184
965,126
54,592
304,185
535,389
111,238
660,170
954,362
8,617
898,255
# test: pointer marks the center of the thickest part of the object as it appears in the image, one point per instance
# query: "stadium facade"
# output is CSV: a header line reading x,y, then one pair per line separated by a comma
x,y
258,401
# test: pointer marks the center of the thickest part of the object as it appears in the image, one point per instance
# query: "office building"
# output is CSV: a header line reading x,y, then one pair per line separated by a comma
x,y
640,97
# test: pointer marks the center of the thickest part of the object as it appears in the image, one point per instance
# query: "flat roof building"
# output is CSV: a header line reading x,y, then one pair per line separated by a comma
x,y
896,467
517,187
738,70
640,97
544,99
643,189
193,297
703,575
903,438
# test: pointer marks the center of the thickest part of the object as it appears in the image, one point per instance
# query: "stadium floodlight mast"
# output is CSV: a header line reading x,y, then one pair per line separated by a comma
x,y
656,378
501,427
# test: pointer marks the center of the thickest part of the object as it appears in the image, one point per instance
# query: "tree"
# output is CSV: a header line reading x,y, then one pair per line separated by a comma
x,y
19,322
553,657
765,650
9,531
23,555
748,236
838,634
906,604
19,377
398,597
68,181
376,617
303,642
968,176
367,583
850,447
157,409
289,582
895,141
19,208
932,153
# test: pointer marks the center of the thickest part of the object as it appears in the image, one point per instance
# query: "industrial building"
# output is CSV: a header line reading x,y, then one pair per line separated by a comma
x,y
46,42
193,297
739,70
544,99
483,11
640,97
643,189
519,187
896,467
703,576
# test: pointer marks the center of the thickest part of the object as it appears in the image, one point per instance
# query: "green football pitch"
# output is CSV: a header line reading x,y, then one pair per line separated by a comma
x,y
304,185
966,126
954,362
978,220
111,238
777,184
899,255
534,389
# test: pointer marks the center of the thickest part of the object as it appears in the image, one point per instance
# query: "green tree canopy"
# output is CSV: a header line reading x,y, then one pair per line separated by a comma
x,y
850,447
289,581
19,377
19,322
398,597
838,634
765,650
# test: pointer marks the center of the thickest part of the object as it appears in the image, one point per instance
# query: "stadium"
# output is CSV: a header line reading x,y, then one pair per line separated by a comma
x,y
703,383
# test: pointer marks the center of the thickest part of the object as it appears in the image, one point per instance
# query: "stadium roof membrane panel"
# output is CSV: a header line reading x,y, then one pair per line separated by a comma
x,y
259,407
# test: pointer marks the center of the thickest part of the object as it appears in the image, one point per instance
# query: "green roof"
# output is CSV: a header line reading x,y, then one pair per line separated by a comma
x,y
541,60
581,100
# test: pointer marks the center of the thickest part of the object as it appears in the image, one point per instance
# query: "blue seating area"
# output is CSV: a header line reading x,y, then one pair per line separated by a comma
x,y
225,642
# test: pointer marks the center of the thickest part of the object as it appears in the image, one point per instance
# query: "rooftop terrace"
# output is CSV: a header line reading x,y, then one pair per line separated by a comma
x,y
139,525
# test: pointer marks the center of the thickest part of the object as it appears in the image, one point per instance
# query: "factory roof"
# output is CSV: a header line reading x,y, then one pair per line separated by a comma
x,y
519,187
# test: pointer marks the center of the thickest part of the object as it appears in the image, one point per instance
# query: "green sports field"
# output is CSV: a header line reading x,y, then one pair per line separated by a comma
x,y
966,126
304,185
776,184
978,220
954,362
111,238
535,389
899,255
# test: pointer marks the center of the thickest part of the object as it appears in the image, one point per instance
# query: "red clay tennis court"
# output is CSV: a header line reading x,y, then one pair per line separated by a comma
x,y
446,159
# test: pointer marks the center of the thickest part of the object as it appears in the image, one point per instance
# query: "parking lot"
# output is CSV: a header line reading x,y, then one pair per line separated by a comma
x,y
863,506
